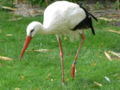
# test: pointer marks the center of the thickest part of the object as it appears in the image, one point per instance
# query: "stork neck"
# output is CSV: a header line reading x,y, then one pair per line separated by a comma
x,y
43,30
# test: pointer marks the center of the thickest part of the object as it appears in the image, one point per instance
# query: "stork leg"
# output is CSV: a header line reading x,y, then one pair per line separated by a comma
x,y
61,57
76,56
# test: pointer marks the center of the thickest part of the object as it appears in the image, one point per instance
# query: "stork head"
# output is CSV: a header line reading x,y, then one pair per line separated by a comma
x,y
31,30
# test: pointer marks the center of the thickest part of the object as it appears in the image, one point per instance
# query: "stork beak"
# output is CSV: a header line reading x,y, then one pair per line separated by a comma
x,y
26,43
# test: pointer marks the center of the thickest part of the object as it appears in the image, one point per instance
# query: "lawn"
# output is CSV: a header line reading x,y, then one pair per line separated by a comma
x,y
41,70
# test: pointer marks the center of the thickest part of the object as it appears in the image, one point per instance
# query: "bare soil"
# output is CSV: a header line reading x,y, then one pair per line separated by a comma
x,y
109,13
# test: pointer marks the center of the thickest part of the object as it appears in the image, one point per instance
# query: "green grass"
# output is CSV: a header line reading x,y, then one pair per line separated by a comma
x,y
41,71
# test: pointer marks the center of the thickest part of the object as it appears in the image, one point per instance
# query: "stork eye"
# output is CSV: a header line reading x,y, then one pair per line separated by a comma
x,y
32,30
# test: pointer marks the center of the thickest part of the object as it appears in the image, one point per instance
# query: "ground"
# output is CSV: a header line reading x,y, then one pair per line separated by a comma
x,y
41,70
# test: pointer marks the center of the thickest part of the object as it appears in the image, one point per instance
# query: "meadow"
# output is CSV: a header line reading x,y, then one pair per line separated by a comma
x,y
41,70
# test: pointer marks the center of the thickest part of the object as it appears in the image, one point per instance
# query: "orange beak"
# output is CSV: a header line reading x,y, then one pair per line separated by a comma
x,y
26,43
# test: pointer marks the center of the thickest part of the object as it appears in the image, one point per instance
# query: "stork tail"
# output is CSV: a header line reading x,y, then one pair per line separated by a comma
x,y
88,12
93,16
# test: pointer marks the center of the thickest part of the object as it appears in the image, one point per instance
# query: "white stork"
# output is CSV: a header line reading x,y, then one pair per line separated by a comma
x,y
62,17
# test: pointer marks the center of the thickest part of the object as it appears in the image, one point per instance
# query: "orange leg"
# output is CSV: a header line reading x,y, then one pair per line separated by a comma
x,y
76,56
61,57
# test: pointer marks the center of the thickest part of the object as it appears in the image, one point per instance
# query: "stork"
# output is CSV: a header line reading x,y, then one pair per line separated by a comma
x,y
62,17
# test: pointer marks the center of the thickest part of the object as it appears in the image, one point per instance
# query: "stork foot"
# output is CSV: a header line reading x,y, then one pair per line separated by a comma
x,y
63,83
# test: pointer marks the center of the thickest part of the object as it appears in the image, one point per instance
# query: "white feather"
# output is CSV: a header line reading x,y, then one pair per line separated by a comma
x,y
62,16
59,18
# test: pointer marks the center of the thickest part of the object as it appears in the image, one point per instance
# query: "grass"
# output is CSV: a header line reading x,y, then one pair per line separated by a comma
x,y
41,71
